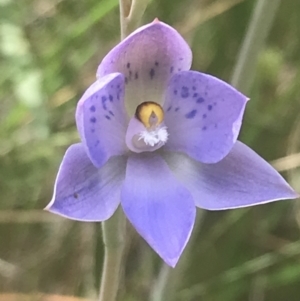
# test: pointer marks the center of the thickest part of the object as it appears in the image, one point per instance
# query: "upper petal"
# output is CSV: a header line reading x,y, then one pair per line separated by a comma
x,y
158,206
83,192
147,58
241,179
203,115
101,119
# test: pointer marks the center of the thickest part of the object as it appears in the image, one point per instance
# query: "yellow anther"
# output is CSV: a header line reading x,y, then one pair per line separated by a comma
x,y
150,114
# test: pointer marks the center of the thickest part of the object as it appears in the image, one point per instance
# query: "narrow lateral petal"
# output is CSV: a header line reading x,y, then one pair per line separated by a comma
x,y
83,192
203,115
101,119
241,179
147,58
158,206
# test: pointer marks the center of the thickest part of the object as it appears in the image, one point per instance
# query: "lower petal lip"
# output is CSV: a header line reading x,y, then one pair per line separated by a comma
x,y
159,207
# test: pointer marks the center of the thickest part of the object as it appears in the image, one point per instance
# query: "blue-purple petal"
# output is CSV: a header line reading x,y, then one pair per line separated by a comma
x,y
241,179
147,58
203,115
83,192
158,206
101,119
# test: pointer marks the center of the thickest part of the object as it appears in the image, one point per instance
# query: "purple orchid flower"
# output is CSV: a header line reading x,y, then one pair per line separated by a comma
x,y
161,140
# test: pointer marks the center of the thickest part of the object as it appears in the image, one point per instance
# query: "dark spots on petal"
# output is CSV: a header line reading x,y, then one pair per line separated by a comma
x,y
104,99
128,65
205,93
152,73
136,76
194,88
92,130
177,109
156,63
216,126
171,69
181,59
112,86
215,103
204,116
204,128
200,100
118,86
185,92
209,107
111,98
97,143
75,195
191,114
111,113
169,109
107,117
118,96
92,108
130,74
93,120
126,80
195,95
175,92
179,69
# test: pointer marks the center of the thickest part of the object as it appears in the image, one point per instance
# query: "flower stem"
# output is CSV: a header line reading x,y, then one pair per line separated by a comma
x,y
113,238
131,12
259,27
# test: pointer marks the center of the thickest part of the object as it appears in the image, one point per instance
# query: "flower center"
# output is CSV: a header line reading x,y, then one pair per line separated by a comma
x,y
150,113
146,130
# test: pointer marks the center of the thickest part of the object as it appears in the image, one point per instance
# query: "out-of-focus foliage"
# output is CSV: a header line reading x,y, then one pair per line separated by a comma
x,y
49,52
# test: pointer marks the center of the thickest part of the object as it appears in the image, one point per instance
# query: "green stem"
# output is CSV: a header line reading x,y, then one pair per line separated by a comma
x,y
124,13
113,238
258,30
131,12
161,285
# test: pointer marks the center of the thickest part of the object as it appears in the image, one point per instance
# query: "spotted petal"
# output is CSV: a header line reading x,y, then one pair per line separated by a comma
x,y
158,206
203,115
241,179
83,192
101,119
147,58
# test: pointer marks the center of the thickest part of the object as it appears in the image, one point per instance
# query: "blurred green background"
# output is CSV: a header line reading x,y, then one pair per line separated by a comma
x,y
49,53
